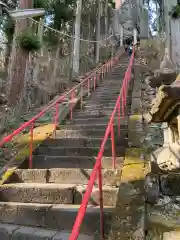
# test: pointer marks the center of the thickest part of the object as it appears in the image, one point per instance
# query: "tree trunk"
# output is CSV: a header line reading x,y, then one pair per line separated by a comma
x,y
106,18
8,51
98,31
19,57
76,56
71,52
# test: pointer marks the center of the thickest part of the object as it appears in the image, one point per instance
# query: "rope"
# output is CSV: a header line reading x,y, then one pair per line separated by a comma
x,y
70,36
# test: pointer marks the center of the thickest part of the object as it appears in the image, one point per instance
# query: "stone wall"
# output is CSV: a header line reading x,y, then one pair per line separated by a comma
x,y
175,43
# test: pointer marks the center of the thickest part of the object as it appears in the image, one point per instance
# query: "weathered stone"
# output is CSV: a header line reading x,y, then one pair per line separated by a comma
x,y
152,188
65,236
170,184
7,230
171,235
169,158
164,103
37,193
135,130
58,217
109,196
33,234
165,215
78,176
30,175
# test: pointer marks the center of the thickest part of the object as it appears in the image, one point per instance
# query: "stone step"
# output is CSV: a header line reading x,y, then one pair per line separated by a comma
x,y
92,114
100,105
97,112
94,107
74,151
103,100
109,195
94,121
18,232
45,162
83,127
79,142
58,216
86,133
114,91
54,193
107,89
91,125
110,177
106,92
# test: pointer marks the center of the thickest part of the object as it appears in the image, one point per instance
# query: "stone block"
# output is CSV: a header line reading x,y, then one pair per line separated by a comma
x,y
170,184
33,234
7,230
134,156
79,176
30,175
134,172
171,235
65,236
109,196
57,217
37,193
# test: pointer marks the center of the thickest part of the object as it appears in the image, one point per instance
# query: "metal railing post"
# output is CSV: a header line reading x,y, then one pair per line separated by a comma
x,y
31,146
113,146
101,204
56,119
88,87
71,106
94,82
82,92
119,117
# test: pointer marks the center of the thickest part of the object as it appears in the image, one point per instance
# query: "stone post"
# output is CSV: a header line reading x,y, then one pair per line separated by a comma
x,y
178,123
166,134
135,36
121,35
171,135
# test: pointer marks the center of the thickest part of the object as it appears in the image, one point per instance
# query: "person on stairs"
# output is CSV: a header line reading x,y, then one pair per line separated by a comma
x,y
130,49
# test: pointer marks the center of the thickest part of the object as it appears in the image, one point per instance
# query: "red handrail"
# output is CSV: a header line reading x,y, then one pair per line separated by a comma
x,y
94,76
98,165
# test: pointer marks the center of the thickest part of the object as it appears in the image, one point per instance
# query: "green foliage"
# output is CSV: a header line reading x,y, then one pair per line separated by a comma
x,y
29,41
41,4
112,3
175,11
9,27
62,12
51,38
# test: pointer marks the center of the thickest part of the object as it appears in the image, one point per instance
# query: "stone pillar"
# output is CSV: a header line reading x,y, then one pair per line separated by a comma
x,y
121,35
135,36
166,134
144,31
171,135
178,123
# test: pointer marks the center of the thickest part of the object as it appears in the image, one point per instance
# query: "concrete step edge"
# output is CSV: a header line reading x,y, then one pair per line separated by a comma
x,y
63,207
8,231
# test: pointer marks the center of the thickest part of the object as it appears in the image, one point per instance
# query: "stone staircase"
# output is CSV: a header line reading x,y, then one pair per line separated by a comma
x,y
43,202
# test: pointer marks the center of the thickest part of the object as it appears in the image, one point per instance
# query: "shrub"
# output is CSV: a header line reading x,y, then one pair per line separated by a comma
x,y
175,11
29,41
